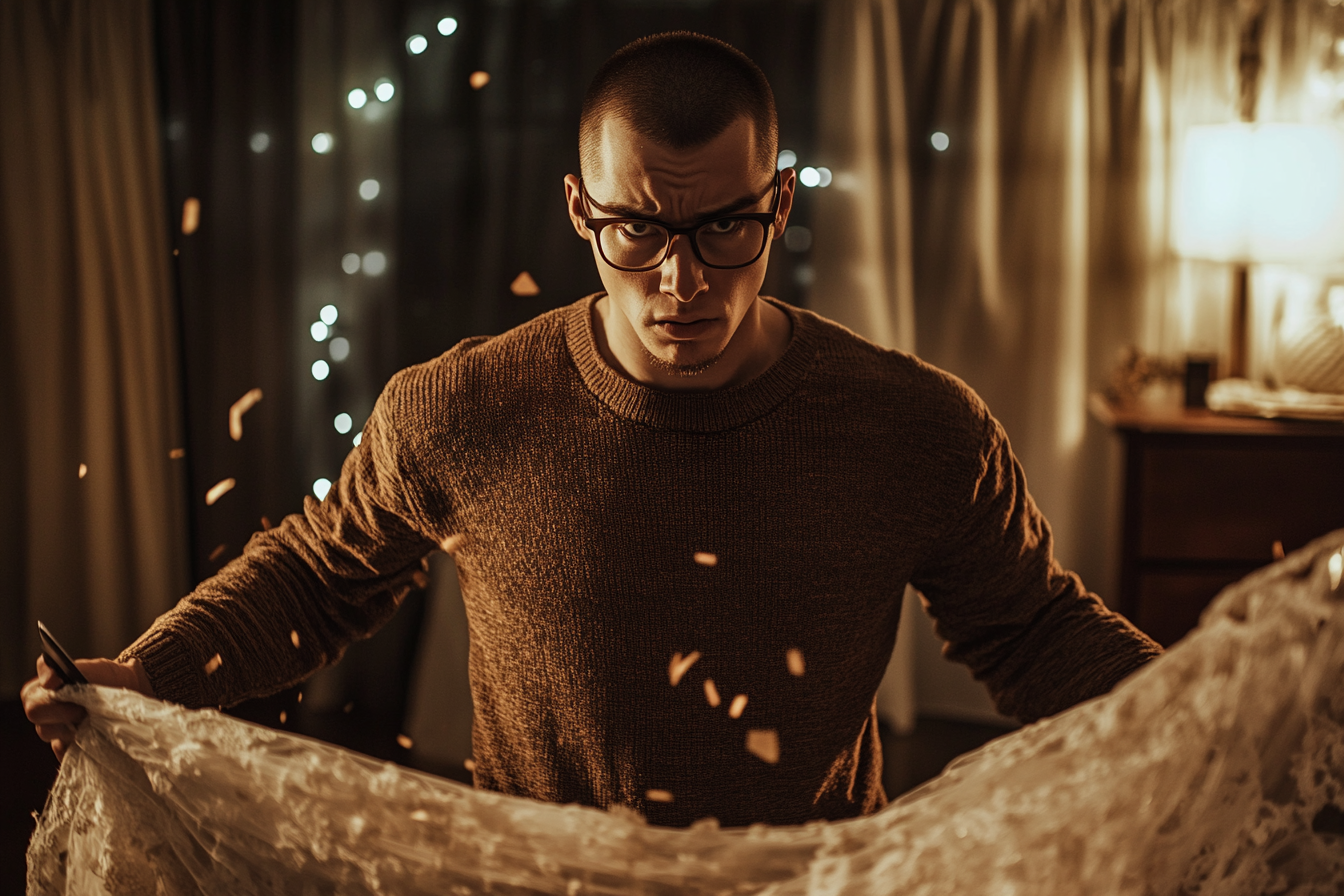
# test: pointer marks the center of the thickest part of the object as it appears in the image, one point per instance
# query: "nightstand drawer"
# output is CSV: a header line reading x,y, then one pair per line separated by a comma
x,y
1233,501
1169,603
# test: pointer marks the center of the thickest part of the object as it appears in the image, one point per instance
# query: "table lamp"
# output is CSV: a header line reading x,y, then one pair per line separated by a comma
x,y
1259,193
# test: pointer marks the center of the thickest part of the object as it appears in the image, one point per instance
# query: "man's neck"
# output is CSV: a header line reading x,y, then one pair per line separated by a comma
x,y
760,340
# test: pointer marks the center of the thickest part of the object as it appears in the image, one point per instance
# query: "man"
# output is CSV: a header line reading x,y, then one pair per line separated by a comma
x,y
683,514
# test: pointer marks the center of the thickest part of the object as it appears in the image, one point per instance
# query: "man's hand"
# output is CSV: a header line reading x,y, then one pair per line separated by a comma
x,y
56,720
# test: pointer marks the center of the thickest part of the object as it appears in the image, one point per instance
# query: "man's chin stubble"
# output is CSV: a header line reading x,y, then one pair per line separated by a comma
x,y
679,369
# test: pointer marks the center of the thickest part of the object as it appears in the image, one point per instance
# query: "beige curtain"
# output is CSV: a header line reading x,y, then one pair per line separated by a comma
x,y
93,533
862,253
1031,246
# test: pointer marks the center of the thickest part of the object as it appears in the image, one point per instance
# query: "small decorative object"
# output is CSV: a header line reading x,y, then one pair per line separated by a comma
x,y
1199,372
1135,372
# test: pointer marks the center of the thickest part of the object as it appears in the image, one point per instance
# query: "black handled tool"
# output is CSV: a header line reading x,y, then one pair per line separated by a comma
x,y
58,659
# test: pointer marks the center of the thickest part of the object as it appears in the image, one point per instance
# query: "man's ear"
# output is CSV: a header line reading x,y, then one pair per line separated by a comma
x,y
574,202
787,182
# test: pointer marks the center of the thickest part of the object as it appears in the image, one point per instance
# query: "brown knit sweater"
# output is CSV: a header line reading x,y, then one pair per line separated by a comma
x,y
582,500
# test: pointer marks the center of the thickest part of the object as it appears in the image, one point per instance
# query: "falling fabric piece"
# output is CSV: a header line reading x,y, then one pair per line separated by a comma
x,y
191,215
794,658
177,454
738,705
218,552
239,408
705,558
479,80
1205,773
658,796
711,693
524,285
214,663
294,638
764,745
83,470
218,490
681,665
405,742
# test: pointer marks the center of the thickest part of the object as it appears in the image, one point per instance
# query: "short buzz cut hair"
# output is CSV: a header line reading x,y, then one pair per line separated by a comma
x,y
681,90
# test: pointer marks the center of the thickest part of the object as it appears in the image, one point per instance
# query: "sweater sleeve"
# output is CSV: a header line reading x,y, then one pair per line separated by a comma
x,y
302,592
1025,626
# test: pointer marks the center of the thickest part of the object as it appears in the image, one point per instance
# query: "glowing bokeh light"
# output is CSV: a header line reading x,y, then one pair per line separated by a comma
x,y
384,89
374,263
359,437
809,176
787,159
322,143
416,44
328,314
368,189
357,98
320,488
321,369
339,348
940,141
319,331
826,177
350,262
343,423
260,142
447,25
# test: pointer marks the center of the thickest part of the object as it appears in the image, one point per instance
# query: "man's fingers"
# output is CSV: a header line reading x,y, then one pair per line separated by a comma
x,y
54,713
47,677
53,733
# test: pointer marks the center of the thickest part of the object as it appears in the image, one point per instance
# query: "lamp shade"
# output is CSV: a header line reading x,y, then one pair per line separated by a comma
x,y
1261,193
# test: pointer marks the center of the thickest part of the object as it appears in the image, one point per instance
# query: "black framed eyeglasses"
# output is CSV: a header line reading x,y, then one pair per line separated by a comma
x,y
724,241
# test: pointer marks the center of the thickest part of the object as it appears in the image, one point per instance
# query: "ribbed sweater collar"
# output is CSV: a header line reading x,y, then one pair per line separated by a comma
x,y
712,411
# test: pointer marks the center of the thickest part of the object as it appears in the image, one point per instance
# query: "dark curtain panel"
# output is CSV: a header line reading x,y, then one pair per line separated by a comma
x,y
227,82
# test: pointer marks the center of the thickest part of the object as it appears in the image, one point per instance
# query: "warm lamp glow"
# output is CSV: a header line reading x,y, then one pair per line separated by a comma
x,y
1261,193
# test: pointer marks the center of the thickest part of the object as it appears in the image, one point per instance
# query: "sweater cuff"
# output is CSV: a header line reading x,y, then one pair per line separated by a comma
x,y
175,676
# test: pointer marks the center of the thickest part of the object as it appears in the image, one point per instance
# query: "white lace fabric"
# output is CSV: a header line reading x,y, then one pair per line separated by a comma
x,y
1217,769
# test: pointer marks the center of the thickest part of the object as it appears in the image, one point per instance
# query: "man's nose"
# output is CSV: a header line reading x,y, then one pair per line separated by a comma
x,y
683,276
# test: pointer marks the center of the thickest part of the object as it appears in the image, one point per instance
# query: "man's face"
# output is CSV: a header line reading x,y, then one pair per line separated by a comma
x,y
684,315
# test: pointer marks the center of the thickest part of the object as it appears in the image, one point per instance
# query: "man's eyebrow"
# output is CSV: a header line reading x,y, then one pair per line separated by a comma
x,y
628,211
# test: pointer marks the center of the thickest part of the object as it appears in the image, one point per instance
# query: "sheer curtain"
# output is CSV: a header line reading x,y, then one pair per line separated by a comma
x,y
93,540
862,254
1037,139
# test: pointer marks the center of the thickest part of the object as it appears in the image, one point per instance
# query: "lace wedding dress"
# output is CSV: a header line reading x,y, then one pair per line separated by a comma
x,y
1217,769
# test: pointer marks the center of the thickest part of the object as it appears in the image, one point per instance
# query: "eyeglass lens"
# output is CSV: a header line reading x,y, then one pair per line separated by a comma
x,y
726,242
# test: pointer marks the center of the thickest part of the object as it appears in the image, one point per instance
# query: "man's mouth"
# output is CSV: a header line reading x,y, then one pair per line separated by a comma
x,y
683,328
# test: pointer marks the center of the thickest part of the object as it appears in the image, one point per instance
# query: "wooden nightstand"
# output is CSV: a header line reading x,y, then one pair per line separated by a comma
x,y
1206,496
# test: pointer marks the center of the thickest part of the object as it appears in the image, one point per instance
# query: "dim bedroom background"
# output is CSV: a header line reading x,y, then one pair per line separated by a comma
x,y
201,199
